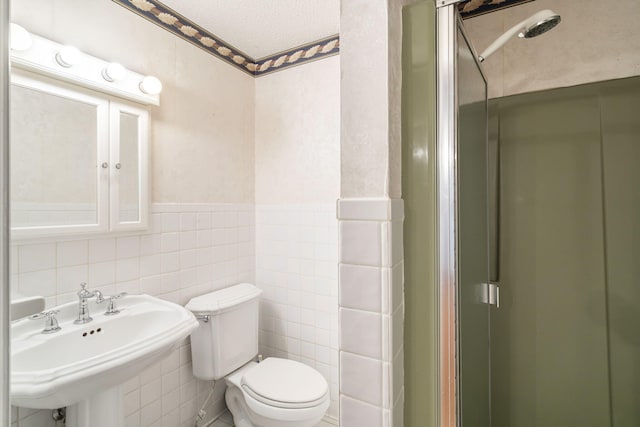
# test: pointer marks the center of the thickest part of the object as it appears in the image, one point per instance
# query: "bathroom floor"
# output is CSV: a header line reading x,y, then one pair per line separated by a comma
x,y
227,421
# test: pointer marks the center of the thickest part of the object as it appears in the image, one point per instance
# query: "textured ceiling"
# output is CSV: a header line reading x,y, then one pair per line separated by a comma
x,y
263,27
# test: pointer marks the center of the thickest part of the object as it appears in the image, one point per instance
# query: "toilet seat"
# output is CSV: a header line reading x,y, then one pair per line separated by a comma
x,y
285,383
296,404
281,415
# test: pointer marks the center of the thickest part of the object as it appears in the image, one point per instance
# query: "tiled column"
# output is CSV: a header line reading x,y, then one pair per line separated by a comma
x,y
371,312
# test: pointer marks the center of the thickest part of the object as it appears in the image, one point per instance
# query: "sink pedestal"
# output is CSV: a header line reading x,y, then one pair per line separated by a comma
x,y
100,410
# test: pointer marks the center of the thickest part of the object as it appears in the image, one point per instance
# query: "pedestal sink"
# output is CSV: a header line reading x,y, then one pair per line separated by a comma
x,y
81,367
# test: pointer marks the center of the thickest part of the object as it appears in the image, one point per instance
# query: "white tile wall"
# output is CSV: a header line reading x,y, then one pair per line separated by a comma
x,y
291,253
297,267
191,249
371,312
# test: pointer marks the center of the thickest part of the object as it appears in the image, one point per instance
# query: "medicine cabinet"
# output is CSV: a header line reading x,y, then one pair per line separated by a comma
x,y
79,160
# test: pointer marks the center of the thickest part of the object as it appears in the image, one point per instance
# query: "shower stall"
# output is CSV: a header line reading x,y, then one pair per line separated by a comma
x,y
534,217
565,346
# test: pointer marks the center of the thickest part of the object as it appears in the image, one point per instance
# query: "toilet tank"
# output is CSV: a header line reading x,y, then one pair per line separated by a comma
x,y
229,339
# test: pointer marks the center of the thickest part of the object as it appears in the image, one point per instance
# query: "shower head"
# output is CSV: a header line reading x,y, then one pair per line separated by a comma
x,y
535,25
544,21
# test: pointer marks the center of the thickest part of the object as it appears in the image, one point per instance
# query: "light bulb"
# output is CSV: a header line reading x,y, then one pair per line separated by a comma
x,y
114,72
68,56
20,38
151,85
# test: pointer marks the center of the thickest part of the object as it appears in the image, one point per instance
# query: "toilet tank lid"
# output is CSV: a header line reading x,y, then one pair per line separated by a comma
x,y
217,301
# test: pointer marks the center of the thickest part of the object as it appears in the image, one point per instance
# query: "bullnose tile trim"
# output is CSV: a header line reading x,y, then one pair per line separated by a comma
x,y
186,29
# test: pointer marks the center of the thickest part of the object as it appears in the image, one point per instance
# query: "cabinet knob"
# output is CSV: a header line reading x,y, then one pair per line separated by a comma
x,y
104,165
118,165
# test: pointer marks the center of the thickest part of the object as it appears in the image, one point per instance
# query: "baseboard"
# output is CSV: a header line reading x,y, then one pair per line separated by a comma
x,y
331,420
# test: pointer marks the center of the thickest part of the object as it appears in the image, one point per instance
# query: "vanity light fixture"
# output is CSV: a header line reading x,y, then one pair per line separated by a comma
x,y
151,85
114,72
40,55
20,38
68,56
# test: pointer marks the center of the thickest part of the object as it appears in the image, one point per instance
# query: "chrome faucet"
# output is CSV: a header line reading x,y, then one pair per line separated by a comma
x,y
83,306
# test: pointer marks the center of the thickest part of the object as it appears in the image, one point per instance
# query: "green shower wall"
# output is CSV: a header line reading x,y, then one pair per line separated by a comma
x,y
620,109
566,339
419,192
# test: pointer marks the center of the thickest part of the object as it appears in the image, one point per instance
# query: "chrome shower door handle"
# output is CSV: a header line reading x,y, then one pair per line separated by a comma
x,y
487,293
494,294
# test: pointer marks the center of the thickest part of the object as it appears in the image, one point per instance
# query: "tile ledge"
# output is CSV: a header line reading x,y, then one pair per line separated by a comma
x,y
370,209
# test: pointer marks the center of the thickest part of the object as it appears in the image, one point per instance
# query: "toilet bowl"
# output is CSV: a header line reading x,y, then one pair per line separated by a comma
x,y
277,393
273,393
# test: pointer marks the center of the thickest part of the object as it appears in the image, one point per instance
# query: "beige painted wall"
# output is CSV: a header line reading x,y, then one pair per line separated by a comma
x,y
371,68
364,98
596,40
297,131
202,134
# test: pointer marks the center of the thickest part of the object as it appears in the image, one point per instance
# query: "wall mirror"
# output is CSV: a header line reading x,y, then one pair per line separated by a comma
x,y
79,160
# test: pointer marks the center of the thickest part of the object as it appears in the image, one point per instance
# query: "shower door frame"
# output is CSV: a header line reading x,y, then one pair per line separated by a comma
x,y
448,21
5,407
446,101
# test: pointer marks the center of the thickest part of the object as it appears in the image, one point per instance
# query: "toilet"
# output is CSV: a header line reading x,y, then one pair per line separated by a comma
x,y
273,393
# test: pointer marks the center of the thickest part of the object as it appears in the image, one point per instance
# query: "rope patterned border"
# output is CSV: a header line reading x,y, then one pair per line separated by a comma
x,y
471,8
182,27
297,56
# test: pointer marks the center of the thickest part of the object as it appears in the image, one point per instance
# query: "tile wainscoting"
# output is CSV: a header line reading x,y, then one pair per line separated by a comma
x,y
297,268
371,312
291,252
189,250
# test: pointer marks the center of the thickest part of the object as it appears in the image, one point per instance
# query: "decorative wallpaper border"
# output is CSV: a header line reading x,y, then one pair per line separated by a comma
x,y
471,8
298,55
182,27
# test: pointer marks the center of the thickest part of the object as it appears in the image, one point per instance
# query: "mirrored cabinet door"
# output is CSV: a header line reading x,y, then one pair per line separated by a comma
x,y
79,160
59,149
129,167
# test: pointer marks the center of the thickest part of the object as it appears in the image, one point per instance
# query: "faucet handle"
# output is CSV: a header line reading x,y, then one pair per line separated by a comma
x,y
111,305
43,314
84,293
50,323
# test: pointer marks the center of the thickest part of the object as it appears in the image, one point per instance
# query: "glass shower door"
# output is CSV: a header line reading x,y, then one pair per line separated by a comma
x,y
474,297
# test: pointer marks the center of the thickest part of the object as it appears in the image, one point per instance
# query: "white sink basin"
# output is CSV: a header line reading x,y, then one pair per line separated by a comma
x,y
61,369
23,306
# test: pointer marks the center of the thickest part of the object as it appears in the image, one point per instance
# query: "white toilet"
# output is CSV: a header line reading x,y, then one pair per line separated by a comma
x,y
274,393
